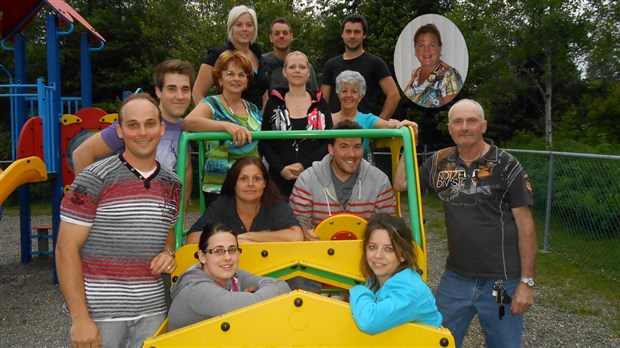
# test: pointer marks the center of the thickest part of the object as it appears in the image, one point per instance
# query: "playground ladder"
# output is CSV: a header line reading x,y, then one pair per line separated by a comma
x,y
43,236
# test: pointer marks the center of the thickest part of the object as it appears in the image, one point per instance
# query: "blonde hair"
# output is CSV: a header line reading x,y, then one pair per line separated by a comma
x,y
295,53
237,12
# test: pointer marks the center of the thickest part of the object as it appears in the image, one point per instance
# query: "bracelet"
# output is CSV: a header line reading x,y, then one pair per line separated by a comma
x,y
169,251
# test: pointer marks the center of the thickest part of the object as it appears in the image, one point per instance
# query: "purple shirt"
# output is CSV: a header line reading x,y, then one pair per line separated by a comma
x,y
167,151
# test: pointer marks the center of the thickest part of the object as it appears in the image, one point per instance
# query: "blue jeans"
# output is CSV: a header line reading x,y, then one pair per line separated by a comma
x,y
460,298
128,333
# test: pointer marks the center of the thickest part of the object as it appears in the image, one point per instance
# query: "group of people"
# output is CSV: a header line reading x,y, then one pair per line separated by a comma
x,y
306,180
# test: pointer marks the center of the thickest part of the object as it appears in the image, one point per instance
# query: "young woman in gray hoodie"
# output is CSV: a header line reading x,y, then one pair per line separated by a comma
x,y
216,286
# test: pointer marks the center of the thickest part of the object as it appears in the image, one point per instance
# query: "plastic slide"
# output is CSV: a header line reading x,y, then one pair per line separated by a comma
x,y
22,171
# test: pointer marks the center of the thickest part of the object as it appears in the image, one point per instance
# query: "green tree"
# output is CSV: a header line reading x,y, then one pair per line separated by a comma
x,y
524,53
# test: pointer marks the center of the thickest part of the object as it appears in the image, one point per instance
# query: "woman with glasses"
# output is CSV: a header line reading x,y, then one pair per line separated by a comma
x,y
251,204
216,286
228,112
242,33
394,293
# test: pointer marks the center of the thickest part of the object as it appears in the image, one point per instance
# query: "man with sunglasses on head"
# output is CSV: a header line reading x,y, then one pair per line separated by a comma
x,y
281,37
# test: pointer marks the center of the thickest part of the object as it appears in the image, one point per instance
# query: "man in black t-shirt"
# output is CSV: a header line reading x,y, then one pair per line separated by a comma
x,y
373,68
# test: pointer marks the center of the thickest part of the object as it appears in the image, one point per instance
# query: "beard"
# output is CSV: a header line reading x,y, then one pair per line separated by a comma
x,y
352,48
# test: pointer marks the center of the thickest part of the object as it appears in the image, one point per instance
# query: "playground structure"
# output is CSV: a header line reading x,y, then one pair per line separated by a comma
x,y
44,124
42,151
300,318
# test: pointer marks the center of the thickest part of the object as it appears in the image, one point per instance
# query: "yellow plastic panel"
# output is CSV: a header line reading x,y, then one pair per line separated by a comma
x,y
296,319
109,118
353,224
68,119
394,144
22,171
336,257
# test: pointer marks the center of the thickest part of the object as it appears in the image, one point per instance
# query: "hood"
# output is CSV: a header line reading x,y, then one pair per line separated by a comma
x,y
323,172
193,275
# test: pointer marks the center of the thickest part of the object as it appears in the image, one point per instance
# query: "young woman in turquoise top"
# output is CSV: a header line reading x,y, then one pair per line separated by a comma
x,y
394,293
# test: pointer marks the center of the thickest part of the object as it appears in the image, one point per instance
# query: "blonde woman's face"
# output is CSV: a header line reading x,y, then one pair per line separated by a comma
x,y
296,70
243,29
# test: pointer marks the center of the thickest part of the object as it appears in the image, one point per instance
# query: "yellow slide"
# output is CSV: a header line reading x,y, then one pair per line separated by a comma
x,y
22,171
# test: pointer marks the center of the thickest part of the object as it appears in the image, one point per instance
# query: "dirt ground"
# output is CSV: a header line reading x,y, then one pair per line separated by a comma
x,y
31,305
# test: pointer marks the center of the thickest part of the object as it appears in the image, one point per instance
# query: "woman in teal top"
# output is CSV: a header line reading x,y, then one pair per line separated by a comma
x,y
394,293
351,88
228,112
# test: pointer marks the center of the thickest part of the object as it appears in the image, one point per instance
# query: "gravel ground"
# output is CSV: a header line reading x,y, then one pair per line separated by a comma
x,y
31,305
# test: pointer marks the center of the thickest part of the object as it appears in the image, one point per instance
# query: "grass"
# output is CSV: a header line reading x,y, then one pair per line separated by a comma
x,y
562,283
36,209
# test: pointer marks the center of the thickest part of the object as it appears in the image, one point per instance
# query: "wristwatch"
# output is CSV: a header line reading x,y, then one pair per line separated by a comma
x,y
529,281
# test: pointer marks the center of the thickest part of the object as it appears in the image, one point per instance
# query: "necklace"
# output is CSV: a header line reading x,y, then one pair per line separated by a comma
x,y
341,117
231,109
477,158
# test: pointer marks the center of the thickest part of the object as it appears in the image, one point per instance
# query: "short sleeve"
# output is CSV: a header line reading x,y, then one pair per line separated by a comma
x,y
110,137
79,206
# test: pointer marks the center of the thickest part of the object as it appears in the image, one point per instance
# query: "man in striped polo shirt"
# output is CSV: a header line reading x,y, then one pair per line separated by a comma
x,y
342,182
116,236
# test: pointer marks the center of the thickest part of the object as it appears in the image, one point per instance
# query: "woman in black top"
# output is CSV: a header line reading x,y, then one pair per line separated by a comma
x,y
295,108
242,33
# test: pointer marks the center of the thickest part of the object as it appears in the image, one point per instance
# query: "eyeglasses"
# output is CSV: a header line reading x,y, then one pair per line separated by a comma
x,y
219,251
231,74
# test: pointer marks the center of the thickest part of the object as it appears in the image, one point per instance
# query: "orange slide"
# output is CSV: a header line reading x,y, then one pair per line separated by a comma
x,y
22,171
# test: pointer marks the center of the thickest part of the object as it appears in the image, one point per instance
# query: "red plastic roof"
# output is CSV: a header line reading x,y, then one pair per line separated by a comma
x,y
16,15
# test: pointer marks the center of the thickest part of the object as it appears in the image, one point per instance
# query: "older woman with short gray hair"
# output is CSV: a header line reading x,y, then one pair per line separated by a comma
x,y
351,88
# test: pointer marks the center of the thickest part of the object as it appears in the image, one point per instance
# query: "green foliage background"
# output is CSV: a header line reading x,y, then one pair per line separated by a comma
x,y
528,59
517,49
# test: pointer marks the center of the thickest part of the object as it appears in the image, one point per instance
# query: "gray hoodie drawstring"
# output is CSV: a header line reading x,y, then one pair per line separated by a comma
x,y
359,192
327,194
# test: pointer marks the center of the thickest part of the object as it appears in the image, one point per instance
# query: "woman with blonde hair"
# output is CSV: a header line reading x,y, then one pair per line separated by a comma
x,y
294,108
242,33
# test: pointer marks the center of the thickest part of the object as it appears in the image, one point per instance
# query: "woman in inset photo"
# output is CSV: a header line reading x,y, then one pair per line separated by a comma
x,y
435,82
431,61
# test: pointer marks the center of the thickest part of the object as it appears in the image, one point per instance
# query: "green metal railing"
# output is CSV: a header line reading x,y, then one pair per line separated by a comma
x,y
415,211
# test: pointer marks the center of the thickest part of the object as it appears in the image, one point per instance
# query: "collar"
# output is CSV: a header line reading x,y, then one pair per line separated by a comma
x,y
147,181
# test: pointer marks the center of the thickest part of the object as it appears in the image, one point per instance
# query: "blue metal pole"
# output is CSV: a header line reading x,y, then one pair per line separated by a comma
x,y
20,106
53,123
86,72
18,120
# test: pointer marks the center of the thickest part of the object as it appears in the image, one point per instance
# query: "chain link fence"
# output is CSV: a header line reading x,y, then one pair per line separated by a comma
x,y
577,206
